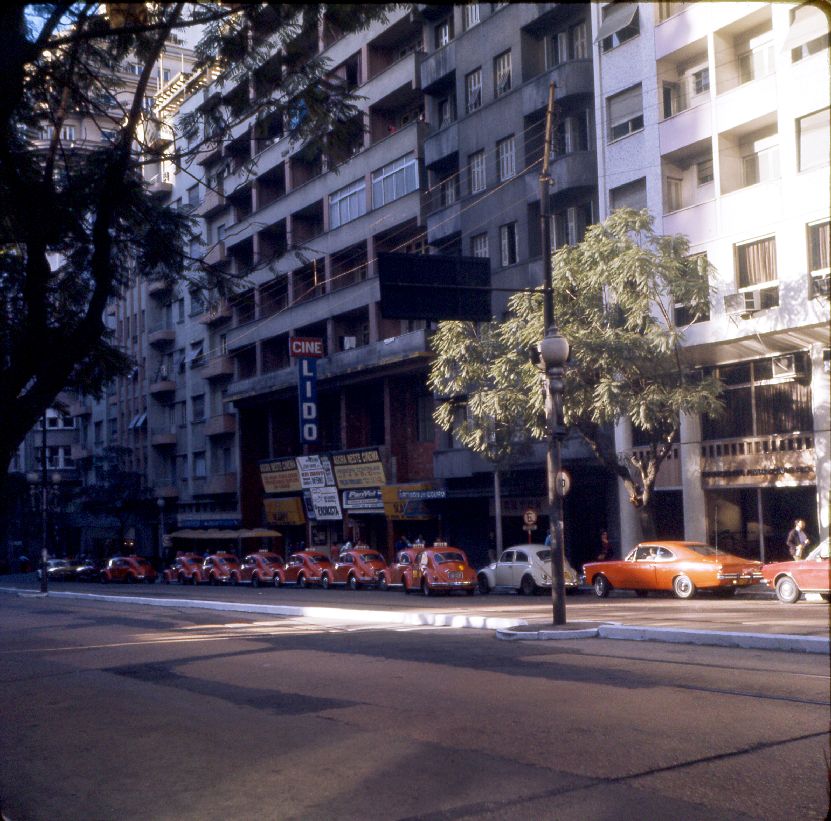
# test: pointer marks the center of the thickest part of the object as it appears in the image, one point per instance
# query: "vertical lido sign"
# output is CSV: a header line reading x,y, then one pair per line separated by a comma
x,y
307,350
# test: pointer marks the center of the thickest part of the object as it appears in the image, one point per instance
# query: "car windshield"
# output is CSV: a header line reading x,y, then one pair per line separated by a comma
x,y
544,555
442,558
821,551
320,559
373,557
703,549
272,560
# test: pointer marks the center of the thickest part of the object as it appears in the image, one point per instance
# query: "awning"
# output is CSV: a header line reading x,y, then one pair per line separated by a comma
x,y
142,418
808,24
256,533
619,16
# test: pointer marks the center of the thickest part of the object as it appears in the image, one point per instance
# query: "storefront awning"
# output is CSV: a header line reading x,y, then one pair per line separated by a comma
x,y
256,533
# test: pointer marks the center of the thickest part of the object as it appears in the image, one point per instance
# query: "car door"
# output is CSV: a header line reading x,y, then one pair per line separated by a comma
x,y
642,570
521,564
665,567
249,565
504,574
813,574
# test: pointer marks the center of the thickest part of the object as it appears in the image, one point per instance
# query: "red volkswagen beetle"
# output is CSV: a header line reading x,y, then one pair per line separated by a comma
x,y
217,568
185,569
404,572
307,567
128,569
354,568
445,568
259,568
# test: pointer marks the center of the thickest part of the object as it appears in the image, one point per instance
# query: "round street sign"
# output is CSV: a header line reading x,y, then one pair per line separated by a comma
x,y
562,482
529,517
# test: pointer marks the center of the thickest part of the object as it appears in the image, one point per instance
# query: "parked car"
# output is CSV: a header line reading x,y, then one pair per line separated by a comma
x,y
128,569
809,575
217,568
57,570
404,572
259,568
185,569
86,570
682,567
526,568
355,568
307,567
445,568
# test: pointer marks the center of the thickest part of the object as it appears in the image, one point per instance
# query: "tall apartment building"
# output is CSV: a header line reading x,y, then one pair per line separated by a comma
x,y
715,116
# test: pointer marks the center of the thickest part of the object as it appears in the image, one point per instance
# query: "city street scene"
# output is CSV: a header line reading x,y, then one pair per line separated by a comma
x,y
415,411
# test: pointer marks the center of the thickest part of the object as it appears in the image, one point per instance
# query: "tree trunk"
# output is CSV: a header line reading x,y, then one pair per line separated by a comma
x,y
497,500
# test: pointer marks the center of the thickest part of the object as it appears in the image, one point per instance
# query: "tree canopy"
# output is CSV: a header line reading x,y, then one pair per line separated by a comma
x,y
616,295
78,221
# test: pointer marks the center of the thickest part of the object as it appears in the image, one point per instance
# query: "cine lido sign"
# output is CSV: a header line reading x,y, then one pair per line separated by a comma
x,y
307,350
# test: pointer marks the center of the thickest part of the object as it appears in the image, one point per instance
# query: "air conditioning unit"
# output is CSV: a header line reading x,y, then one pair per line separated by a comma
x,y
742,303
821,285
788,366
347,343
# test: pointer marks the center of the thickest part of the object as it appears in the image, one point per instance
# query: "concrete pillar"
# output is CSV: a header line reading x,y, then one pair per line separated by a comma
x,y
630,525
820,387
695,502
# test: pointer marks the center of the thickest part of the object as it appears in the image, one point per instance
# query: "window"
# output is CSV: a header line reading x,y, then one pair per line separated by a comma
x,y
572,134
630,195
571,44
471,15
473,90
447,191
674,195
701,80
505,154
445,112
200,465
443,33
165,74
667,9
704,172
760,166
502,74
197,351
579,41
813,139
397,179
620,23
569,225
673,99
479,246
808,34
426,431
818,240
193,195
220,232
477,172
108,135
810,48
756,63
347,204
68,134
197,408
756,262
180,309
507,244
625,112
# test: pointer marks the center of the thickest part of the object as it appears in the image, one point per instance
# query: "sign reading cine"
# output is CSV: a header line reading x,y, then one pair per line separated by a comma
x,y
433,287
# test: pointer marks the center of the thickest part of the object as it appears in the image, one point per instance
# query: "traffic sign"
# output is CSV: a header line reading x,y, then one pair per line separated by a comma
x,y
562,482
529,517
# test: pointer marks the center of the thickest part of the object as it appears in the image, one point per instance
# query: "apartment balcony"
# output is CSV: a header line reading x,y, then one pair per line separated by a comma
x,y
221,483
213,202
444,222
80,452
577,170
79,408
221,425
406,71
218,367
571,78
218,313
166,492
158,288
740,209
746,103
161,389
161,438
215,254
697,220
161,336
161,184
438,66
669,474
441,144
685,128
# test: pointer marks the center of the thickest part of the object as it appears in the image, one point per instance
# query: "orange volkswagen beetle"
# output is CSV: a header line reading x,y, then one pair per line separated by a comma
x,y
259,568
445,568
404,572
217,568
354,568
128,569
682,567
307,567
185,569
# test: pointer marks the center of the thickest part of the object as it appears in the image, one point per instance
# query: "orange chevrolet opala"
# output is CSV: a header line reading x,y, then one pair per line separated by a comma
x,y
445,568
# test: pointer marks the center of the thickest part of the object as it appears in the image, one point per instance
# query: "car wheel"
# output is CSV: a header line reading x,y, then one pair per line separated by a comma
x,y
382,583
683,587
527,586
352,582
787,590
324,581
482,583
301,580
601,586
276,580
425,588
255,580
641,594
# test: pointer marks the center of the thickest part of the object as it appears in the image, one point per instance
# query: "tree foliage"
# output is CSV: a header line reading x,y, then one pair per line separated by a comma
x,y
77,222
615,295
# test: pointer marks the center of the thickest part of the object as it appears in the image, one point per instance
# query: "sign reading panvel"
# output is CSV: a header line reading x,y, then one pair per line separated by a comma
x,y
361,467
280,475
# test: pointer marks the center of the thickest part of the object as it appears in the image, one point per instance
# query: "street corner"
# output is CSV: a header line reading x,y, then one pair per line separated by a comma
x,y
550,632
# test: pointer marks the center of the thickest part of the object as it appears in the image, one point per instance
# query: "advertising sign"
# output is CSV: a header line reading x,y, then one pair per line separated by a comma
x,y
307,399
306,346
280,475
325,503
403,502
358,468
311,472
284,511
368,500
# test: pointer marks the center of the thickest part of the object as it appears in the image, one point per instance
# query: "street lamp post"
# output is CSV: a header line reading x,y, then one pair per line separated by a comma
x,y
554,351
160,503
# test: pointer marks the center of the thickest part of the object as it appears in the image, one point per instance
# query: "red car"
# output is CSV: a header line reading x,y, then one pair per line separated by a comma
x,y
259,568
404,572
809,575
355,567
445,568
185,569
128,569
307,567
217,568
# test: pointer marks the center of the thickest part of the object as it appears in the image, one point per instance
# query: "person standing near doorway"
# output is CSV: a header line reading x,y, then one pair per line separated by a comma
x,y
798,540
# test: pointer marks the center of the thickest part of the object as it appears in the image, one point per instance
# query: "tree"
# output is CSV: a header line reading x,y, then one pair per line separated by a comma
x,y
615,296
78,223
485,405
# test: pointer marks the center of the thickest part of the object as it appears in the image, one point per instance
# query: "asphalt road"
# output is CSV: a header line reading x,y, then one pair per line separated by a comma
x,y
118,712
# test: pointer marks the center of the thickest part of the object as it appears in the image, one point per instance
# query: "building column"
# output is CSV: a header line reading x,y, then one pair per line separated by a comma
x,y
820,387
630,525
695,501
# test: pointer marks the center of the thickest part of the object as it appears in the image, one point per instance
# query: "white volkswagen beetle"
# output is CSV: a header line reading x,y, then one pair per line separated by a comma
x,y
526,568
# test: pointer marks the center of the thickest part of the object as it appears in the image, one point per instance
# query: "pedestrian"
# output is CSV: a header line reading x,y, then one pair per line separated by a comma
x,y
797,540
605,547
547,541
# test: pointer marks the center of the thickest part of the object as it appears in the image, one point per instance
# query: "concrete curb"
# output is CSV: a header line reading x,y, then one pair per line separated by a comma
x,y
320,613
755,641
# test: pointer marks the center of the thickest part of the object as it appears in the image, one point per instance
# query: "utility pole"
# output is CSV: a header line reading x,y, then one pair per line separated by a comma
x,y
44,524
554,351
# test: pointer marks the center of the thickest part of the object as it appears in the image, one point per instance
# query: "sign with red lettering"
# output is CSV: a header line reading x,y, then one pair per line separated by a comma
x,y
306,346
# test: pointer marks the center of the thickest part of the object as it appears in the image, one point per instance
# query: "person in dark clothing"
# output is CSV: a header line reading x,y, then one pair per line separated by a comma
x,y
798,540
